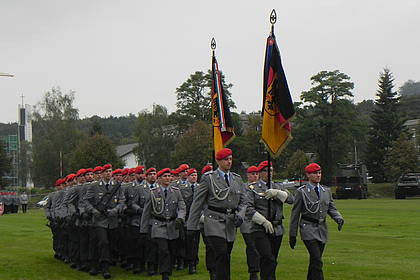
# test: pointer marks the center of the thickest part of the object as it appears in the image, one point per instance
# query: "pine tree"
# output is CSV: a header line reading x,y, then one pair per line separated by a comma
x,y
387,125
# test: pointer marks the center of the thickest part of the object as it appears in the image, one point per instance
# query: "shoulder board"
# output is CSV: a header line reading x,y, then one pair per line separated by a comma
x,y
155,188
209,172
302,187
236,174
175,188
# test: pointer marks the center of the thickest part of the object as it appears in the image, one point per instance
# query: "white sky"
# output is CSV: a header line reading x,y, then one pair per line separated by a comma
x,y
122,56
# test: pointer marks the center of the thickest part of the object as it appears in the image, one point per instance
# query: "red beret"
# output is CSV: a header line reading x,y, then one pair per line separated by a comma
x,y
124,171
175,171
151,169
131,171
263,165
58,182
107,166
191,171
89,170
163,171
251,169
98,169
116,171
183,167
81,172
223,153
139,169
206,168
313,167
70,177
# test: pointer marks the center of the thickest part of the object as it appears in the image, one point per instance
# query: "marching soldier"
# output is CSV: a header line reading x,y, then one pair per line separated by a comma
x,y
312,204
265,209
165,211
252,256
222,191
105,201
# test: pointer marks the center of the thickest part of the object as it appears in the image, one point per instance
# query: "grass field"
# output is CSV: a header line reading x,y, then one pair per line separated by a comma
x,y
380,240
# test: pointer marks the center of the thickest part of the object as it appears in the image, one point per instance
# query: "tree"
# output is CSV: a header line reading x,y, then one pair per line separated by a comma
x,y
5,164
93,151
157,135
401,158
194,146
55,136
296,164
410,99
387,125
96,128
327,125
194,97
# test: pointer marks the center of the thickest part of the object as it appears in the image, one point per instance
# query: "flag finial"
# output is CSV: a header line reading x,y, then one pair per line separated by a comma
x,y
273,17
213,44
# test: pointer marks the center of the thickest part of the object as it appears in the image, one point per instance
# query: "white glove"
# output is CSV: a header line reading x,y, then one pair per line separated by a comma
x,y
261,220
275,193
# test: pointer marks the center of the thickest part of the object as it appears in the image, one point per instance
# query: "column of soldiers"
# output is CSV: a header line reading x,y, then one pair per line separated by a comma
x,y
151,221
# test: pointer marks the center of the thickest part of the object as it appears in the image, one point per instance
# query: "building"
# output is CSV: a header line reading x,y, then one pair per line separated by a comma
x,y
25,123
128,154
413,127
11,146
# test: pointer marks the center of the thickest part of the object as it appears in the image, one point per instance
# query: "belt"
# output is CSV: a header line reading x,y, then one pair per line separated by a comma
x,y
222,210
163,219
312,220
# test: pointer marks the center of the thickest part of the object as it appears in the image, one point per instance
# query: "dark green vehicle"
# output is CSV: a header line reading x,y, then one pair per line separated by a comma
x,y
351,181
407,185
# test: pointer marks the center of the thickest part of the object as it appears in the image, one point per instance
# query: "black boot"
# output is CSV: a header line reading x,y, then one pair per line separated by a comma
x,y
165,276
105,271
192,269
253,276
151,269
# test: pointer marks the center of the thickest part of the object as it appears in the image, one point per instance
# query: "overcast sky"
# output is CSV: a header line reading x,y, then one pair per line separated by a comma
x,y
120,57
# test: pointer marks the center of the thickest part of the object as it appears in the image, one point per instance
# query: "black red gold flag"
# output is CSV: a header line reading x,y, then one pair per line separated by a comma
x,y
223,132
278,109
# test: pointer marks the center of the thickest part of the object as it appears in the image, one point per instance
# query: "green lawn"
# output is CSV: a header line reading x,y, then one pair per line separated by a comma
x,y
380,240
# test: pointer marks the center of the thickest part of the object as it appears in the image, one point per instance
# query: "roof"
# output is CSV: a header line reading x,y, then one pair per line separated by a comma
x,y
123,150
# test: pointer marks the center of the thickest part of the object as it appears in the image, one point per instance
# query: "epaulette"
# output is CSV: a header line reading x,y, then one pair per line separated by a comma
x,y
209,172
175,188
302,187
236,174
155,188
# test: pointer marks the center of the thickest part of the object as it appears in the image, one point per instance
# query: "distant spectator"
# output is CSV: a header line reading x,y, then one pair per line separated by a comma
x,y
24,199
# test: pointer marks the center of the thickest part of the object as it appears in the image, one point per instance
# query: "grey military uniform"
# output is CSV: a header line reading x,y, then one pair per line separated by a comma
x,y
161,213
214,191
258,202
93,197
309,213
138,195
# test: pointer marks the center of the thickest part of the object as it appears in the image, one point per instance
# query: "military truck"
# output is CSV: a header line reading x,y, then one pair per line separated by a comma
x,y
407,185
351,181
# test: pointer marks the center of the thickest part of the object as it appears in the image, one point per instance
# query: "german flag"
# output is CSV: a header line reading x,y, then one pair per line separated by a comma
x,y
278,109
223,132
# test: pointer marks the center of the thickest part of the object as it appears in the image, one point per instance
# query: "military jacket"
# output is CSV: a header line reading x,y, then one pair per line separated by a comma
x,y
160,213
214,192
60,211
85,218
48,208
188,195
271,209
138,196
93,198
247,223
309,213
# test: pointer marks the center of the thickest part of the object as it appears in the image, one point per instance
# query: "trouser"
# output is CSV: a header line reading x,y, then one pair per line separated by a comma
x,y
106,240
151,249
210,258
24,207
74,244
222,250
315,249
268,247
93,246
180,253
135,252
192,244
166,249
83,244
252,256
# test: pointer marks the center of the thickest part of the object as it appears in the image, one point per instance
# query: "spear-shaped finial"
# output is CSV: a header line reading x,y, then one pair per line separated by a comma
x,y
273,17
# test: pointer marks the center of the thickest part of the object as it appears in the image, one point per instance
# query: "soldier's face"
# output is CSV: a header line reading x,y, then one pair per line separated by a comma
x,y
264,174
107,174
314,177
225,164
183,175
165,179
252,176
89,177
151,177
192,178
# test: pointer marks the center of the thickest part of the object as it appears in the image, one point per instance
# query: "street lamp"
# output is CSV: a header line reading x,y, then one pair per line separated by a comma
x,y
6,75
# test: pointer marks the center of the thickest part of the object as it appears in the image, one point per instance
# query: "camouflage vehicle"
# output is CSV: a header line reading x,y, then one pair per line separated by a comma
x,y
351,181
407,185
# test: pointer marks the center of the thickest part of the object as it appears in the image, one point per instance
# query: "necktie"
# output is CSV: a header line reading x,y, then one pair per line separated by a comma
x,y
227,180
192,187
151,186
317,191
166,192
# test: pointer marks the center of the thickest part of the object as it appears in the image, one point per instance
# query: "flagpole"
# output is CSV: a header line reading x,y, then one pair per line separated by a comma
x,y
213,48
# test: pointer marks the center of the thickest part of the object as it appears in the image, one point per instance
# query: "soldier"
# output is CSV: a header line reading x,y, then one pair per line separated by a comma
x,y
105,200
165,211
265,209
252,256
312,204
50,214
222,191
24,199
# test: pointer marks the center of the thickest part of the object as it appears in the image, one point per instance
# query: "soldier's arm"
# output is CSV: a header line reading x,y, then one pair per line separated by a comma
x,y
295,215
145,218
121,206
200,198
87,199
250,207
332,210
243,203
47,207
182,209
